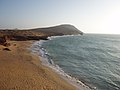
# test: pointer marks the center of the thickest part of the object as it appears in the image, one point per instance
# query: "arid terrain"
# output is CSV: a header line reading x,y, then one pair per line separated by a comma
x,y
20,69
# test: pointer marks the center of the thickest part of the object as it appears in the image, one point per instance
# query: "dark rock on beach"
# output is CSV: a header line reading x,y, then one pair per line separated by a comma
x,y
2,40
6,49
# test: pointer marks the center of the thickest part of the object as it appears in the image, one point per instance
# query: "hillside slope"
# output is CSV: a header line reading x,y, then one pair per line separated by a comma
x,y
38,33
65,29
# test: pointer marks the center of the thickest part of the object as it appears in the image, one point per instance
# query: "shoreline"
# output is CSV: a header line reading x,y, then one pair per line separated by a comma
x,y
46,61
22,70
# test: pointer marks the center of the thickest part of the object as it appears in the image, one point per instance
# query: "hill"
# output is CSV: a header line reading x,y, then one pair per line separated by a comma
x,y
65,29
38,33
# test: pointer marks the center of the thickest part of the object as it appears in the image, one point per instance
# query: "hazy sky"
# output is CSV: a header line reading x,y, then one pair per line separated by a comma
x,y
90,16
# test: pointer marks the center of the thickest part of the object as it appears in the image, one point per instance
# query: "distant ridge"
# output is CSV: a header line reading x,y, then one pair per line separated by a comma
x,y
38,33
64,29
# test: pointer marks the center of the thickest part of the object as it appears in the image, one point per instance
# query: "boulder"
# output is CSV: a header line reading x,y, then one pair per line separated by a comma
x,y
6,49
2,40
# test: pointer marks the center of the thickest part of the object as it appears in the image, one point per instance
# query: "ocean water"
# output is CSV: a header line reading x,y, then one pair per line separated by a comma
x,y
92,58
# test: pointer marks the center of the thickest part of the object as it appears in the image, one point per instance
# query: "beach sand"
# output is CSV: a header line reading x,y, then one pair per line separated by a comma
x,y
22,70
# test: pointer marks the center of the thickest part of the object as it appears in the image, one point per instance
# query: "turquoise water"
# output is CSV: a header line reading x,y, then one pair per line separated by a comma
x,y
94,59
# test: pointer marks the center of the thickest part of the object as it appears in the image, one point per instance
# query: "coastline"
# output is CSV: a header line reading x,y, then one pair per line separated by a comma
x,y
48,62
22,70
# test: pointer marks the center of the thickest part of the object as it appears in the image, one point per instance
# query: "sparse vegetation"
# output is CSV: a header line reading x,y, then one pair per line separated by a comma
x,y
36,34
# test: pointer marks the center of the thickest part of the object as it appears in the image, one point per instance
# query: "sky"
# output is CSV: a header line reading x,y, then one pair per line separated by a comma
x,y
89,16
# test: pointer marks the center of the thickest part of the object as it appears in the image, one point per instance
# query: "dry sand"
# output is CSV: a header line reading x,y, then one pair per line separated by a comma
x,y
20,70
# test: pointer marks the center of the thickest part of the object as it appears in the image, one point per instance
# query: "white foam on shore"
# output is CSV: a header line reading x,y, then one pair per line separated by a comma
x,y
51,37
47,61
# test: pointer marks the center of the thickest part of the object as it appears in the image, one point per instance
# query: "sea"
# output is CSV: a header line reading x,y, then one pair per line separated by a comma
x,y
94,59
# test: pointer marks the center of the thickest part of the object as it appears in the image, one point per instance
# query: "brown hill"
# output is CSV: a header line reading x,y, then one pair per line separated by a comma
x,y
38,33
65,29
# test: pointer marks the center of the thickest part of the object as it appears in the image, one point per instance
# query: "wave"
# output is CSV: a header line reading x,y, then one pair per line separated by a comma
x,y
52,37
38,49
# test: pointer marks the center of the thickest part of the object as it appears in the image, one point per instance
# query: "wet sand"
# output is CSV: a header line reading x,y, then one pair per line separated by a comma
x,y
22,70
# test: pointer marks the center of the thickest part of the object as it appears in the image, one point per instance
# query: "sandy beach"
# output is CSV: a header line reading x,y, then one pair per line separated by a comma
x,y
22,70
